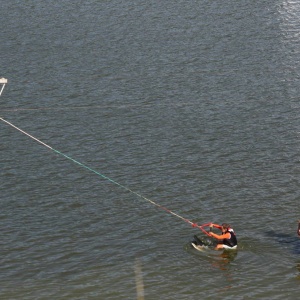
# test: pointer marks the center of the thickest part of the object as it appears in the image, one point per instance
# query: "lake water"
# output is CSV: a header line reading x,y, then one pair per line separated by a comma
x,y
193,105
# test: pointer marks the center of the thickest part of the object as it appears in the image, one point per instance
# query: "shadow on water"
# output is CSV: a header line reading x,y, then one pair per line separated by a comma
x,y
291,241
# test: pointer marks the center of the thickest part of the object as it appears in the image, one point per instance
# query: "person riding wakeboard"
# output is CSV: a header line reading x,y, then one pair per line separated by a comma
x,y
227,240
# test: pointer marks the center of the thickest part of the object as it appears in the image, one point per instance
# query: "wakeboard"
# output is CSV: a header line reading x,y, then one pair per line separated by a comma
x,y
199,247
198,244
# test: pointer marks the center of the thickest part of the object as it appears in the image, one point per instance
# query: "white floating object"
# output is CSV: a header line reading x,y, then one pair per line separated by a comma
x,y
3,80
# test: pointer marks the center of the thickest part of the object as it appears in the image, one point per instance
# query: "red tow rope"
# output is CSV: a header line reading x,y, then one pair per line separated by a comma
x,y
201,227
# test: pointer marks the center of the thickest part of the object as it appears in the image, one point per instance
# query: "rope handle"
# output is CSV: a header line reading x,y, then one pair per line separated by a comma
x,y
201,227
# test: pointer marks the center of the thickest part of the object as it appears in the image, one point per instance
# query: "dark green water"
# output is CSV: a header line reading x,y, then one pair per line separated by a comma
x,y
192,104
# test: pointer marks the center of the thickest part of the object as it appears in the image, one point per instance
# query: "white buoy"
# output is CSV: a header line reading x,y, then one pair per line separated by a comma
x,y
3,81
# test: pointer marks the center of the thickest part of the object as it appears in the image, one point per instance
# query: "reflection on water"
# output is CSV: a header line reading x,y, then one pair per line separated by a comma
x,y
139,280
289,12
223,259
218,260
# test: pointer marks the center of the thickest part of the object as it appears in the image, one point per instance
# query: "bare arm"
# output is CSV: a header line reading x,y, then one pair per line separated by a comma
x,y
220,237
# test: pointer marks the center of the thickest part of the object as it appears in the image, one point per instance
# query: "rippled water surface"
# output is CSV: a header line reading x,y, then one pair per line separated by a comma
x,y
190,105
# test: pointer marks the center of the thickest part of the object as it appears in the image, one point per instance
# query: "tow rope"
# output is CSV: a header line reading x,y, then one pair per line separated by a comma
x,y
109,179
